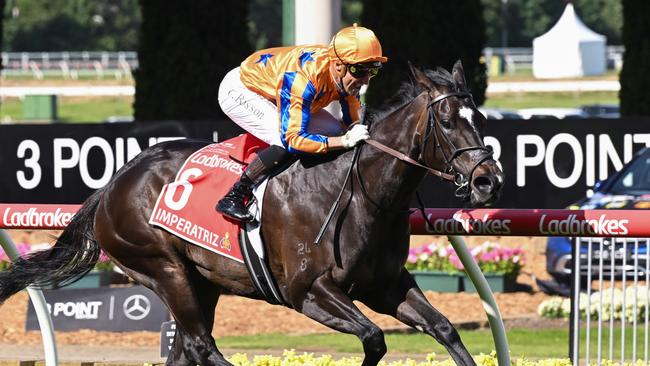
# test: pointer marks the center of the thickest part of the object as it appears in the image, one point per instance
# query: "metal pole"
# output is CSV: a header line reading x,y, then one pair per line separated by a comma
x,y
590,242
42,314
574,327
486,295
288,22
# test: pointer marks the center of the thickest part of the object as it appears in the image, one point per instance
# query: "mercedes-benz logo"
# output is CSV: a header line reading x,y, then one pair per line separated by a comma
x,y
136,307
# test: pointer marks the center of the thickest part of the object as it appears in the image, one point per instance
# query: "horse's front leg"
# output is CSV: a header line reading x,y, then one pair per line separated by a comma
x,y
404,300
328,305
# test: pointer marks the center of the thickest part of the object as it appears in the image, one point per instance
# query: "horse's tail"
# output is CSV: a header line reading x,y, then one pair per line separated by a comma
x,y
74,254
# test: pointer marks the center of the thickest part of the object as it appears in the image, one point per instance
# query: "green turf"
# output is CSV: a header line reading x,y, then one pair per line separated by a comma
x,y
605,339
75,110
528,343
515,101
526,74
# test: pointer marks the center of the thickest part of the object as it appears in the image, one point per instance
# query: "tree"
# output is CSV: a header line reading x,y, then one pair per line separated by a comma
x,y
526,19
72,25
185,48
437,34
602,16
54,34
265,23
2,18
523,20
635,75
114,25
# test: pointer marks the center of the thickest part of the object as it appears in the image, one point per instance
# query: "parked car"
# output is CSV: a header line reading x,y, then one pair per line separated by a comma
x,y
119,119
559,113
494,113
601,110
629,188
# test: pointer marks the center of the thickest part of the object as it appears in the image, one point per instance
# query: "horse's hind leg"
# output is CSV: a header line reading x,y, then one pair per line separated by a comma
x,y
185,344
192,300
327,304
189,296
405,301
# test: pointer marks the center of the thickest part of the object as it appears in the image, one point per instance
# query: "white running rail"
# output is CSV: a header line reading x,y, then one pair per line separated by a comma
x,y
42,314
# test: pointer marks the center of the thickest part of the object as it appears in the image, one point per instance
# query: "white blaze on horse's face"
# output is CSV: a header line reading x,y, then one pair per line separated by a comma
x,y
468,114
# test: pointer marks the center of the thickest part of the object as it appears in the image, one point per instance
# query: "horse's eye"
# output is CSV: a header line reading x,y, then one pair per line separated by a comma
x,y
446,123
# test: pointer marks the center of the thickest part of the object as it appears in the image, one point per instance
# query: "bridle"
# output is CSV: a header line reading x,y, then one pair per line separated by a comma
x,y
449,172
461,181
434,129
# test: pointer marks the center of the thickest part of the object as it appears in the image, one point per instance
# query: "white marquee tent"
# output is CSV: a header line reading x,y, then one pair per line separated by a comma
x,y
569,49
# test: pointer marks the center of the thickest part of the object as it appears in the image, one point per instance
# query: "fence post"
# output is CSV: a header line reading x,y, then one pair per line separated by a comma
x,y
486,295
40,306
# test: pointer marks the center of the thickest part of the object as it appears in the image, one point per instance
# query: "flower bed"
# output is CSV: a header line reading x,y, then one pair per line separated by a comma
x,y
559,307
500,264
291,358
5,262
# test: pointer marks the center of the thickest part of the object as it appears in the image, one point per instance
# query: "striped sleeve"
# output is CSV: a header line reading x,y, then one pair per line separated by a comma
x,y
295,98
350,108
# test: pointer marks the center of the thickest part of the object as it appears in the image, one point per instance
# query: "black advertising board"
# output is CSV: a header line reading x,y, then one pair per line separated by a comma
x,y
65,163
549,163
113,309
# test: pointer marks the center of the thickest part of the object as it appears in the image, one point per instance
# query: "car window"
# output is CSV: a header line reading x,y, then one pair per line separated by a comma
x,y
636,180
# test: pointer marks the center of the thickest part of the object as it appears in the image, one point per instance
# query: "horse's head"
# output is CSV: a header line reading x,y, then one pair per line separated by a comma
x,y
453,136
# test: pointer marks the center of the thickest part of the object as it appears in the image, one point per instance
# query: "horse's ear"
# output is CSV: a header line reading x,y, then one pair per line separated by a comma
x,y
417,76
458,74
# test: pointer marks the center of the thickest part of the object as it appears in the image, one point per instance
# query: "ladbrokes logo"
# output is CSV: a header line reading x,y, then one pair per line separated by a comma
x,y
34,217
216,161
478,226
573,226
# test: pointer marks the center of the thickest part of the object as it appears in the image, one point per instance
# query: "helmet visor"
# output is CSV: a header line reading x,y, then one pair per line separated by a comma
x,y
359,71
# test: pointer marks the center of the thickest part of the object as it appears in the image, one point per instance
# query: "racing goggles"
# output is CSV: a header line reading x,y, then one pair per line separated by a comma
x,y
362,70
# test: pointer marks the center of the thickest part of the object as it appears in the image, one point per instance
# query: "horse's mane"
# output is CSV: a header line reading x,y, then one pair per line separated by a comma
x,y
407,92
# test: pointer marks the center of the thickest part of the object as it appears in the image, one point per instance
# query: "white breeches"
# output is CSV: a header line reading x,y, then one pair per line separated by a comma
x,y
259,116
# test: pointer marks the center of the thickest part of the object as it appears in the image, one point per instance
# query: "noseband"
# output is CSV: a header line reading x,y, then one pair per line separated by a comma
x,y
434,129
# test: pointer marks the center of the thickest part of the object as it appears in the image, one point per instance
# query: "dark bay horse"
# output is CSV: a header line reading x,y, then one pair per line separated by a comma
x,y
362,254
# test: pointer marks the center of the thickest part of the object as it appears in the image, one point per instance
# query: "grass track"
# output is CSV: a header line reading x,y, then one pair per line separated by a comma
x,y
531,343
528,343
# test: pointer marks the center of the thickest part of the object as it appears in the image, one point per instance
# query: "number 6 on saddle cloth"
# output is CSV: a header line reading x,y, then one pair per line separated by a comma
x,y
206,174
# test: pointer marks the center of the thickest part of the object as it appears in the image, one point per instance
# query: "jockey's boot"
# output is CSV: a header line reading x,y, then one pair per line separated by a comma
x,y
232,204
266,163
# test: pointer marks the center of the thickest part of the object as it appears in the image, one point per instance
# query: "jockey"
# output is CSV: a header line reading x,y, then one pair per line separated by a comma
x,y
278,95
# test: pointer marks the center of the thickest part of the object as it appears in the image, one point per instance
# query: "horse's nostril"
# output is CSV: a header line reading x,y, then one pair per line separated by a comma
x,y
483,183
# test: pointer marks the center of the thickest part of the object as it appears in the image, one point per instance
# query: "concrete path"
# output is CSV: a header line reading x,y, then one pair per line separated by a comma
x,y
83,353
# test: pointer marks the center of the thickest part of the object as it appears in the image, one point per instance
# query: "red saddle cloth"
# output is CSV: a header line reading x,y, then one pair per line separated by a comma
x,y
185,207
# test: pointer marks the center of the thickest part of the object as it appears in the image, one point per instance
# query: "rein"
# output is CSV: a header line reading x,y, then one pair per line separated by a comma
x,y
403,157
335,205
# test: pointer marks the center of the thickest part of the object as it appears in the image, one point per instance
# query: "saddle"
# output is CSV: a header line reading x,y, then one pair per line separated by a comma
x,y
182,208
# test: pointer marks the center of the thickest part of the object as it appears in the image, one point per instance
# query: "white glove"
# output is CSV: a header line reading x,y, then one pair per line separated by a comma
x,y
356,134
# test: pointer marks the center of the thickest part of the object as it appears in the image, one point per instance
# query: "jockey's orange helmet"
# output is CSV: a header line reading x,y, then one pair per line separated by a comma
x,y
356,45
